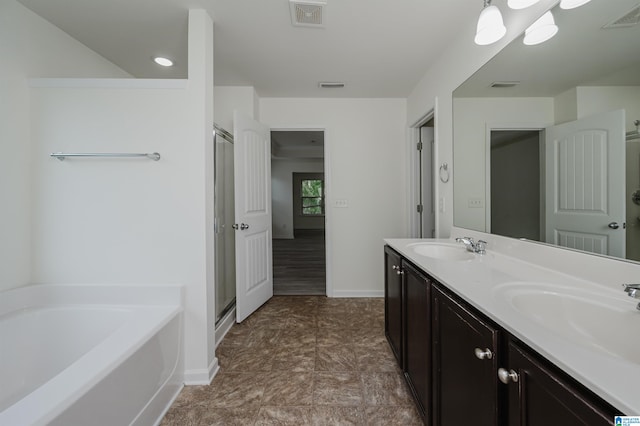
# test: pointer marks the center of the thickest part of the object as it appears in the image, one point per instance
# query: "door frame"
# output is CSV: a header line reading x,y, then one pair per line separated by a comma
x,y
328,212
490,127
413,172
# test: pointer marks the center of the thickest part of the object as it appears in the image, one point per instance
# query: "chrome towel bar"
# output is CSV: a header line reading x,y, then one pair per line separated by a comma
x,y
62,155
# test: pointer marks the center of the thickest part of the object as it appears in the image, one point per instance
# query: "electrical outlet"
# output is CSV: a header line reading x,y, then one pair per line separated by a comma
x,y
340,203
476,203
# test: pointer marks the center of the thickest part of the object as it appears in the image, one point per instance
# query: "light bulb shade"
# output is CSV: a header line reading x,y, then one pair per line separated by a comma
x,y
490,26
572,4
541,30
521,4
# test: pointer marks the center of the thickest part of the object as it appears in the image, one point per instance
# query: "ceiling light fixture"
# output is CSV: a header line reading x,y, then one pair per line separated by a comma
x,y
541,30
572,4
490,25
165,62
521,4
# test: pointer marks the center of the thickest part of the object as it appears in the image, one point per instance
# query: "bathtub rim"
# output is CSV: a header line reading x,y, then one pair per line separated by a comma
x,y
148,320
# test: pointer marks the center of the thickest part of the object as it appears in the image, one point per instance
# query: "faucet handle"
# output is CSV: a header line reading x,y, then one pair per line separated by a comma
x,y
631,289
481,246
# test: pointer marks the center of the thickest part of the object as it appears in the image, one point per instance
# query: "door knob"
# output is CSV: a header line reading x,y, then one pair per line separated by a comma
x,y
614,225
483,354
507,376
243,226
235,226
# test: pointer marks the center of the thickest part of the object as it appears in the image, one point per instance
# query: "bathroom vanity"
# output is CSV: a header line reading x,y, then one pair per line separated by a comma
x,y
494,339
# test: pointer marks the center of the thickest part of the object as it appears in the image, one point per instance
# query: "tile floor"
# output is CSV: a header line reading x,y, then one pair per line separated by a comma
x,y
303,360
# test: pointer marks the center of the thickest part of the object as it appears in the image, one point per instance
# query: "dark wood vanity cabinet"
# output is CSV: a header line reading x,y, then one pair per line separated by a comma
x,y
466,358
542,396
393,301
456,361
417,343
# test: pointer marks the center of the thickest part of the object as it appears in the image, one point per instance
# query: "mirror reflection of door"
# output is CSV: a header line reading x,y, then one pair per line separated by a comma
x,y
562,185
585,184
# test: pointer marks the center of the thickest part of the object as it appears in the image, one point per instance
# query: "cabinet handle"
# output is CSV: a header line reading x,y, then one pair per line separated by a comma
x,y
483,354
507,376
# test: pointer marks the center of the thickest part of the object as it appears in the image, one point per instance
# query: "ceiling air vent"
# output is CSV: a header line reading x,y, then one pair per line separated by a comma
x,y
330,85
503,84
307,13
629,19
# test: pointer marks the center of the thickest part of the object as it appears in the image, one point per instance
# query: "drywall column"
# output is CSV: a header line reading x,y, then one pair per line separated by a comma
x,y
202,299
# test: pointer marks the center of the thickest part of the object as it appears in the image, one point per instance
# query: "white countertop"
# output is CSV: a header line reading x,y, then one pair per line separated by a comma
x,y
480,282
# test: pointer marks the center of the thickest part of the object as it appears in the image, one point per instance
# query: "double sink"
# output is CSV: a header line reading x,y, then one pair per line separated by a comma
x,y
594,317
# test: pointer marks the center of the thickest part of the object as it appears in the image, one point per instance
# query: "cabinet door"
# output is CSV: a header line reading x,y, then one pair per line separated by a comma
x,y
465,364
393,302
542,397
418,337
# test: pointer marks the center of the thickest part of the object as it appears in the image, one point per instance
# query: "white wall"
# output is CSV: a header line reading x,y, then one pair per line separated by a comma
x,y
282,190
366,157
230,98
136,220
470,149
594,100
458,62
566,106
29,47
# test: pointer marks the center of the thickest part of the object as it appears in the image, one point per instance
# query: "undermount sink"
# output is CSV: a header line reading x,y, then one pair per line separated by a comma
x,y
587,318
442,251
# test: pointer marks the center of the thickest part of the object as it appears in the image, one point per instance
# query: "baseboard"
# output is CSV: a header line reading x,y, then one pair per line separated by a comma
x,y
202,377
225,325
357,293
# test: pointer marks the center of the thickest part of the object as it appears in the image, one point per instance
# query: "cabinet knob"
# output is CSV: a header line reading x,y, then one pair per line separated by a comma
x,y
507,377
399,271
483,354
395,267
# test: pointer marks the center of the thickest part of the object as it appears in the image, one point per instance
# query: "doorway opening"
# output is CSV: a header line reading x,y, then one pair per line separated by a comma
x,y
298,206
422,147
516,184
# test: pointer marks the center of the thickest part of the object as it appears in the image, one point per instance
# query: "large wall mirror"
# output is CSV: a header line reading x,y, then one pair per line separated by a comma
x,y
545,144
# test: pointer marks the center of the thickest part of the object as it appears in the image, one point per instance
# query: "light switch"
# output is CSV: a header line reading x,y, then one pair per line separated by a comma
x,y
341,203
475,203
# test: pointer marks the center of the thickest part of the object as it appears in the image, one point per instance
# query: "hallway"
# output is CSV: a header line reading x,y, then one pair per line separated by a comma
x,y
305,360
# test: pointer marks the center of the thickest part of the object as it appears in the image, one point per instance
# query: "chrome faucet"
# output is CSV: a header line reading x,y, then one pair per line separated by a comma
x,y
633,290
479,247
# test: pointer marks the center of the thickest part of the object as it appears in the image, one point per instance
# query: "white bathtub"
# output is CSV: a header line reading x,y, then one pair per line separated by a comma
x,y
89,354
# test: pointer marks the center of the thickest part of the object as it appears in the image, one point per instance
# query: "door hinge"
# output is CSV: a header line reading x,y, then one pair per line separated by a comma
x,y
419,146
420,208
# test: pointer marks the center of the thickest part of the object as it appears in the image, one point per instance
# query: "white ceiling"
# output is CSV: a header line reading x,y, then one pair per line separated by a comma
x,y
378,48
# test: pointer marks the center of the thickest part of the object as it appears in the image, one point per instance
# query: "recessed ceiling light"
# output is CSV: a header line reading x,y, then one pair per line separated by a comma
x,y
165,62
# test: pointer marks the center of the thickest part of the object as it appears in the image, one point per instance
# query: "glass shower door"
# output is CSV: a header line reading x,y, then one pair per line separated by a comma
x,y
224,218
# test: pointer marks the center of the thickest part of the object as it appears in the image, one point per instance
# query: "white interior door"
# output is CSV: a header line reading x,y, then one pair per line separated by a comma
x,y
585,172
252,175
